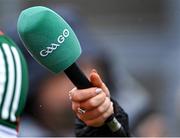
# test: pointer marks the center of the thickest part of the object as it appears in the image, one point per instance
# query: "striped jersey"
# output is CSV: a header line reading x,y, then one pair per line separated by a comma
x,y
13,82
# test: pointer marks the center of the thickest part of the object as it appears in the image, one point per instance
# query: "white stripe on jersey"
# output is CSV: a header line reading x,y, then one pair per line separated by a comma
x,y
18,84
11,81
2,65
3,75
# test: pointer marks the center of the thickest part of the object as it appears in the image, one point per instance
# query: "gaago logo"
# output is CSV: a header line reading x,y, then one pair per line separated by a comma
x,y
53,46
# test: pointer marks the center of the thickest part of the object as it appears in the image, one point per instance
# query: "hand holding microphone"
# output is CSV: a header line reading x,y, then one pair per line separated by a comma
x,y
93,105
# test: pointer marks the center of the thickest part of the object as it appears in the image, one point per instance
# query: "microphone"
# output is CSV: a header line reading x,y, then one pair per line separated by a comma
x,y
53,43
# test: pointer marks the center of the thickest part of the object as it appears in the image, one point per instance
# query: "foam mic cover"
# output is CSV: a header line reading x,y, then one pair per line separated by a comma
x,y
48,37
52,42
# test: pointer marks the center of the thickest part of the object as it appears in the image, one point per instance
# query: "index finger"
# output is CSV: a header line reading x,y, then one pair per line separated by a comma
x,y
84,94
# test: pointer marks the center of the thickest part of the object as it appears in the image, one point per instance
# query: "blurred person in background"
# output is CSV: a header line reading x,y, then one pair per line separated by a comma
x,y
130,94
13,87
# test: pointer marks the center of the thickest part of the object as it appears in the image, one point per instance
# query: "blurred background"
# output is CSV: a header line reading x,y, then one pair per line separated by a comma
x,y
134,45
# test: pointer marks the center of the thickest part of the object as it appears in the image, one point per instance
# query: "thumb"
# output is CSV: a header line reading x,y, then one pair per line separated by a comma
x,y
97,82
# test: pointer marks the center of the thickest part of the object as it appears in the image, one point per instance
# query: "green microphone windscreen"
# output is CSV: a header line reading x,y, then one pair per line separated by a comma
x,y
48,38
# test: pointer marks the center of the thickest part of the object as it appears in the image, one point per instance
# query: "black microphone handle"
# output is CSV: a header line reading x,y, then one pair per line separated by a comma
x,y
81,82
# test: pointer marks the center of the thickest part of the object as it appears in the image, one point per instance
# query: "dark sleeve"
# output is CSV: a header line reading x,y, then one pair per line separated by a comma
x,y
82,130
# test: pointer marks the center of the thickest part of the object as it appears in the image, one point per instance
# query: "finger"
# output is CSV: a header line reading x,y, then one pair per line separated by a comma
x,y
105,89
97,81
84,94
93,102
99,121
75,106
70,92
89,115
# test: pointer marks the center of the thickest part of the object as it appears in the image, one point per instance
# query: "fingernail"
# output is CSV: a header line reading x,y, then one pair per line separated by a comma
x,y
98,90
71,92
70,97
73,89
94,70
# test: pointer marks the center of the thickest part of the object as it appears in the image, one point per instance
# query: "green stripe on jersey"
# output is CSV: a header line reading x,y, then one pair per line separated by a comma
x,y
15,88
